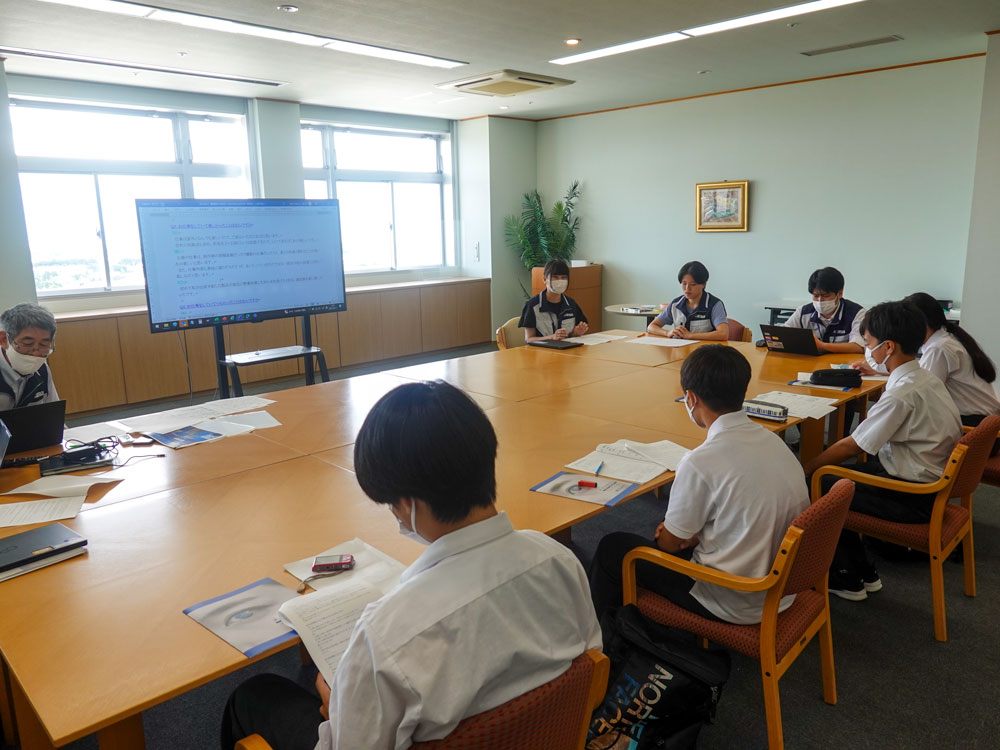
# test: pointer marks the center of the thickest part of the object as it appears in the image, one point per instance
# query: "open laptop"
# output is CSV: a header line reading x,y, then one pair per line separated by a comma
x,y
790,340
555,343
35,426
4,440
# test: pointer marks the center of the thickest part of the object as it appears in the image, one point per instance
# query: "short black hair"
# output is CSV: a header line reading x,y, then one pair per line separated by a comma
x,y
828,279
697,271
429,441
896,321
719,375
555,267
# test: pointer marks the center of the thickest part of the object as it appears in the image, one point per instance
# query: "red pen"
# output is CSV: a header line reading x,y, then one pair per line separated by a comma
x,y
582,483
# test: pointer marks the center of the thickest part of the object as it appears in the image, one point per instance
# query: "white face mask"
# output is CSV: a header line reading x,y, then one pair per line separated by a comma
x,y
23,364
411,533
827,307
558,286
880,367
690,410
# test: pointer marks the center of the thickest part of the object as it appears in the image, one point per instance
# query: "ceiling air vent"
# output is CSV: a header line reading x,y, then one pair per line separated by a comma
x,y
853,45
504,83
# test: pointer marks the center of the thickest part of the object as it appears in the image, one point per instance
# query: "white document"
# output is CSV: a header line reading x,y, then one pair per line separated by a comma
x,y
223,427
592,339
799,404
607,492
40,511
186,416
372,567
661,341
63,486
632,461
325,620
664,452
89,432
257,420
233,405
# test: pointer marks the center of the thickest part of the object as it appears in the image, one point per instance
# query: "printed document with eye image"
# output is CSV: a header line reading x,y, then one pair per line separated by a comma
x,y
247,618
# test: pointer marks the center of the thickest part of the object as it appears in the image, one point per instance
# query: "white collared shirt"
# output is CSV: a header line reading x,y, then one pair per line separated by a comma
x,y
738,492
485,614
944,355
17,382
913,427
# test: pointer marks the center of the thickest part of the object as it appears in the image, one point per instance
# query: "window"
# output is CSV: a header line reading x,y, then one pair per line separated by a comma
x,y
82,167
395,194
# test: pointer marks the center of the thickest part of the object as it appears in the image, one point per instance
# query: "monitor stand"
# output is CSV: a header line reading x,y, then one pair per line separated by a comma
x,y
228,365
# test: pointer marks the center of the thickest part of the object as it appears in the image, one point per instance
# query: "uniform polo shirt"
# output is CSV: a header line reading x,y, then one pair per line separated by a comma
x,y
18,390
705,318
913,427
738,492
548,317
484,615
945,356
844,326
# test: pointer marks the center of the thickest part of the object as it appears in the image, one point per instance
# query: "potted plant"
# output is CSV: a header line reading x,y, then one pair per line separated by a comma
x,y
538,238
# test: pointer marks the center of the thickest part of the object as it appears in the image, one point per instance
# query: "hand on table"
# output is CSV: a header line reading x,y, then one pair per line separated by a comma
x,y
863,368
580,329
560,334
679,332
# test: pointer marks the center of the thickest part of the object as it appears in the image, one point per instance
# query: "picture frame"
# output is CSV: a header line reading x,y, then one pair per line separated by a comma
x,y
721,206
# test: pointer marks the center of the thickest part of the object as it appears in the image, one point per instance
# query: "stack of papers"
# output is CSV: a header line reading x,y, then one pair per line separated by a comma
x,y
661,341
631,461
592,339
65,497
186,416
90,432
800,405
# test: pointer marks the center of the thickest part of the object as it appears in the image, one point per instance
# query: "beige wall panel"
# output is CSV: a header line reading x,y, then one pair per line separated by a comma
x,y
249,337
153,364
87,364
473,305
360,329
401,331
201,353
438,308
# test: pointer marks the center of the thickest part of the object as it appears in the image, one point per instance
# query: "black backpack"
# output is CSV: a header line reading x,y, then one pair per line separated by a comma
x,y
662,688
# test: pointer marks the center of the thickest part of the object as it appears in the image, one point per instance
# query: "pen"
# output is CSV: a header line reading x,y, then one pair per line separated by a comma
x,y
597,471
640,335
582,483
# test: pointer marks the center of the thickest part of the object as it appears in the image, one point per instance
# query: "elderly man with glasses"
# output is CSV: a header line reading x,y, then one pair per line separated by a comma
x,y
26,340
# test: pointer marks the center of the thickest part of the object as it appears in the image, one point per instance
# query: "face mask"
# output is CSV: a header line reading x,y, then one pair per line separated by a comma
x,y
23,364
411,533
827,307
880,367
558,286
690,411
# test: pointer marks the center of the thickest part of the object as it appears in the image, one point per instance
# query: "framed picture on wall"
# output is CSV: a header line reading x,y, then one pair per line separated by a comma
x,y
721,206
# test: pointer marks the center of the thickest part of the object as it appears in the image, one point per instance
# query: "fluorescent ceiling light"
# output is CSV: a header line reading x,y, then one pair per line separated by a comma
x,y
357,48
107,6
20,52
248,29
653,41
770,15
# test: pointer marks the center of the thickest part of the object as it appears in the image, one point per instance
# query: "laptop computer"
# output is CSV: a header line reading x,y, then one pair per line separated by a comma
x,y
4,440
790,340
555,343
35,426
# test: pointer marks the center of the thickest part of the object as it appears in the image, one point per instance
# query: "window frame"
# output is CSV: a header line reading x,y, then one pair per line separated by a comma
x,y
331,175
182,167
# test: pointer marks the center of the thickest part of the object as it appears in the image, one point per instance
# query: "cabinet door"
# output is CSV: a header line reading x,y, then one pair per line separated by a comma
x,y
401,331
473,305
438,310
249,337
361,329
201,355
87,364
153,364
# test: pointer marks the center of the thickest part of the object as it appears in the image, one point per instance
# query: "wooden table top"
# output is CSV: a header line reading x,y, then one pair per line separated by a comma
x,y
646,355
516,374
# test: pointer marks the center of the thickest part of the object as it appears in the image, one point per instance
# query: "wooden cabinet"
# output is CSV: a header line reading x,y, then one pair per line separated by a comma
x,y
455,315
87,364
401,315
361,329
153,364
584,287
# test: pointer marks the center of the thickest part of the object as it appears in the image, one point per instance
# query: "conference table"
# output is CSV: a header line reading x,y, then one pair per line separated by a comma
x,y
90,643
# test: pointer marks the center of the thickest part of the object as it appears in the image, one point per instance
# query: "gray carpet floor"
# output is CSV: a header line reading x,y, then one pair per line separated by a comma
x,y
897,686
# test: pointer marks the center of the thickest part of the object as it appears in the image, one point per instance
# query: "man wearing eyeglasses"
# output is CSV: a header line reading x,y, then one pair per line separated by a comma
x,y
26,339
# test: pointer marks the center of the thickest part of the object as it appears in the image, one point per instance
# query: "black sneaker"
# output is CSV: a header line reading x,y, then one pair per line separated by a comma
x,y
870,579
846,585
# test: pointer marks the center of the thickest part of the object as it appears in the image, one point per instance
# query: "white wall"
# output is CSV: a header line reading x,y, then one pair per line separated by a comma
x,y
17,280
980,306
870,173
278,148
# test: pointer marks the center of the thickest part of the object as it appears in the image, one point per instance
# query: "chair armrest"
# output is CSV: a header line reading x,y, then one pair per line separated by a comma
x,y
913,488
698,572
599,684
253,742
967,429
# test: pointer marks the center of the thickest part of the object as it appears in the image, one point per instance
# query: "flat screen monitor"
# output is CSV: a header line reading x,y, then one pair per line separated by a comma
x,y
214,262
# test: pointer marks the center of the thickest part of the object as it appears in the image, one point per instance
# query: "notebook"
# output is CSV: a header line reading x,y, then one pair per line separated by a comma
x,y
38,548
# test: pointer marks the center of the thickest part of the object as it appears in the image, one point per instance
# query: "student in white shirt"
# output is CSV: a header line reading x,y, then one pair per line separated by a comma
x,y
956,357
27,335
730,505
484,615
913,428
696,314
834,320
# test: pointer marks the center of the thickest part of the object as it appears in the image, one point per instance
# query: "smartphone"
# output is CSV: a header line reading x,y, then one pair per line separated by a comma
x,y
332,563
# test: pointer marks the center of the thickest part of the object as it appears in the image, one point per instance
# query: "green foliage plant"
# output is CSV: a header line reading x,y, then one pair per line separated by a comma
x,y
538,238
